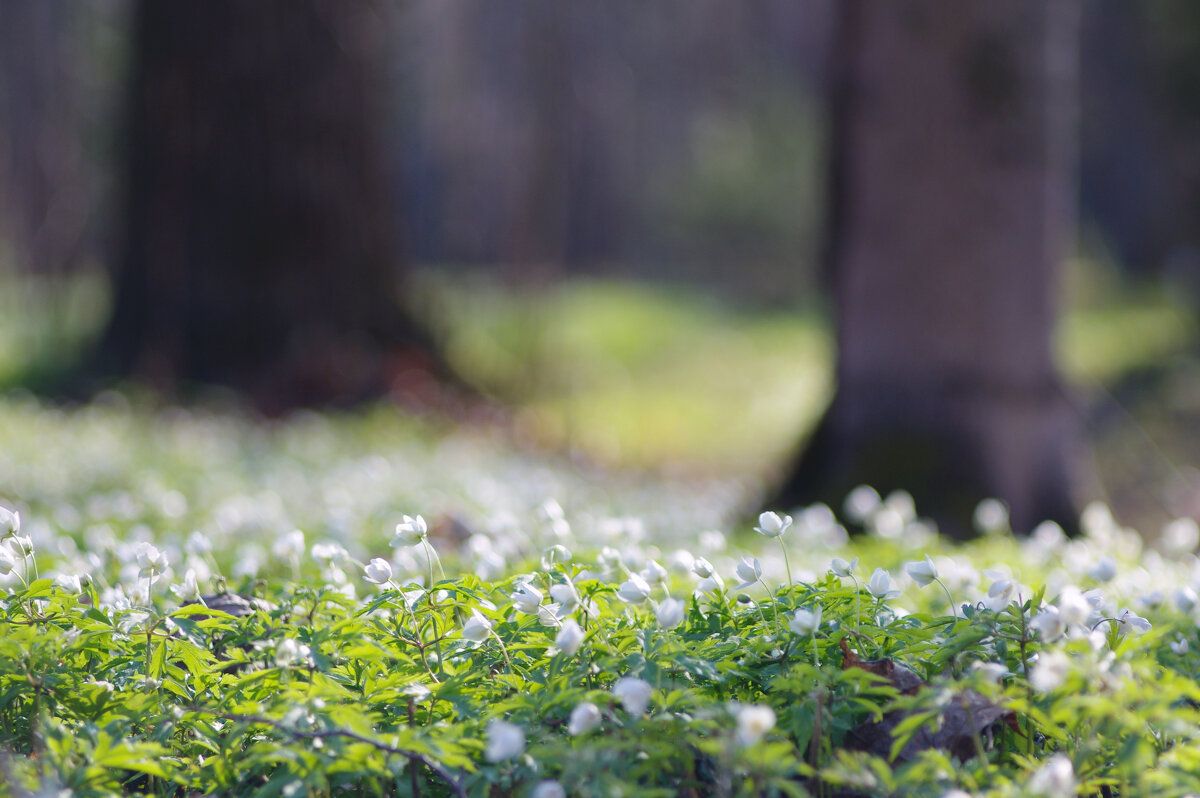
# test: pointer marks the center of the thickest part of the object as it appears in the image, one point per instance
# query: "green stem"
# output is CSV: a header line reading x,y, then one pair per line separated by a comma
x,y
774,602
429,563
949,598
504,651
1028,686
857,605
438,559
786,564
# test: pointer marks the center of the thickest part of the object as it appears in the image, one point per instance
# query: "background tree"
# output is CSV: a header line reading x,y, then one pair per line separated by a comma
x,y
953,206
258,247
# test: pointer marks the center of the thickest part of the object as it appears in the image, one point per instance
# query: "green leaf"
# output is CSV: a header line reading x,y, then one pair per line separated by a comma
x,y
158,660
195,658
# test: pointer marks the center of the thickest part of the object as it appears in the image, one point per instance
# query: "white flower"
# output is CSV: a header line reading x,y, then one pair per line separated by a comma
x,y
289,652
548,614
702,568
289,546
1186,599
749,570
654,573
329,553
1001,593
1179,645
189,589
992,671
887,522
1104,569
772,524
1046,538
710,584
880,585
410,531
680,561
10,522
922,572
548,789
634,694
527,598
505,741
1055,779
22,544
569,637
805,622
753,723
1180,536
634,590
198,544
1097,521
991,516
1073,606
69,582
555,554
477,628
1050,671
249,560
861,504
8,559
1049,624
584,718
669,613
712,541
377,571
1132,621
151,561
551,510
842,568
566,596
609,559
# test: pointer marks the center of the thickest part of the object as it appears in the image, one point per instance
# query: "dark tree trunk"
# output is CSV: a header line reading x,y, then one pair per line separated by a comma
x,y
258,249
42,192
953,207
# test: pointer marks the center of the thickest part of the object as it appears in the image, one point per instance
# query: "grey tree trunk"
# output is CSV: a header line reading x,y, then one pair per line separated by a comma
x,y
953,206
259,249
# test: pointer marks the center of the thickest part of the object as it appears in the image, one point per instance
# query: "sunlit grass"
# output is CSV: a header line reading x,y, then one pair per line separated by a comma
x,y
637,374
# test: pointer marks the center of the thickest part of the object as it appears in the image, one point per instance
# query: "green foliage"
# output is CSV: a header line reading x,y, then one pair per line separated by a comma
x,y
117,685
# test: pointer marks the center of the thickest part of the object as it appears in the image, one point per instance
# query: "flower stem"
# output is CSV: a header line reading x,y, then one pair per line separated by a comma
x,y
949,598
504,651
857,605
774,601
786,564
429,562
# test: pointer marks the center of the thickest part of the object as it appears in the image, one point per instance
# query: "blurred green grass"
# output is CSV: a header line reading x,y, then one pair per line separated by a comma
x,y
646,375
650,375
643,375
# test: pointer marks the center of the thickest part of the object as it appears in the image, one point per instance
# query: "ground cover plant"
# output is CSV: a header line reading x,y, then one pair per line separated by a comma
x,y
194,604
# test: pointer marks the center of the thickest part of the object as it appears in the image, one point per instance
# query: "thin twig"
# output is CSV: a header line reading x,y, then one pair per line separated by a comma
x,y
455,786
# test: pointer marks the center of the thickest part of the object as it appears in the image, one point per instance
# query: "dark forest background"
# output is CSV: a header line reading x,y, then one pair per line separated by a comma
x,y
416,156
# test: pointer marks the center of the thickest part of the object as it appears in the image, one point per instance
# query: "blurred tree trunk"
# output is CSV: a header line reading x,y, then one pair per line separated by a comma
x,y
259,250
953,206
41,164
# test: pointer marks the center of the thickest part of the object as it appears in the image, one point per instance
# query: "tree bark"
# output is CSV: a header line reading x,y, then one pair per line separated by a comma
x,y
258,249
953,206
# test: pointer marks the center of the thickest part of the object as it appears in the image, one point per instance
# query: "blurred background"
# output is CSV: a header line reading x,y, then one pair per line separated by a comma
x,y
629,224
